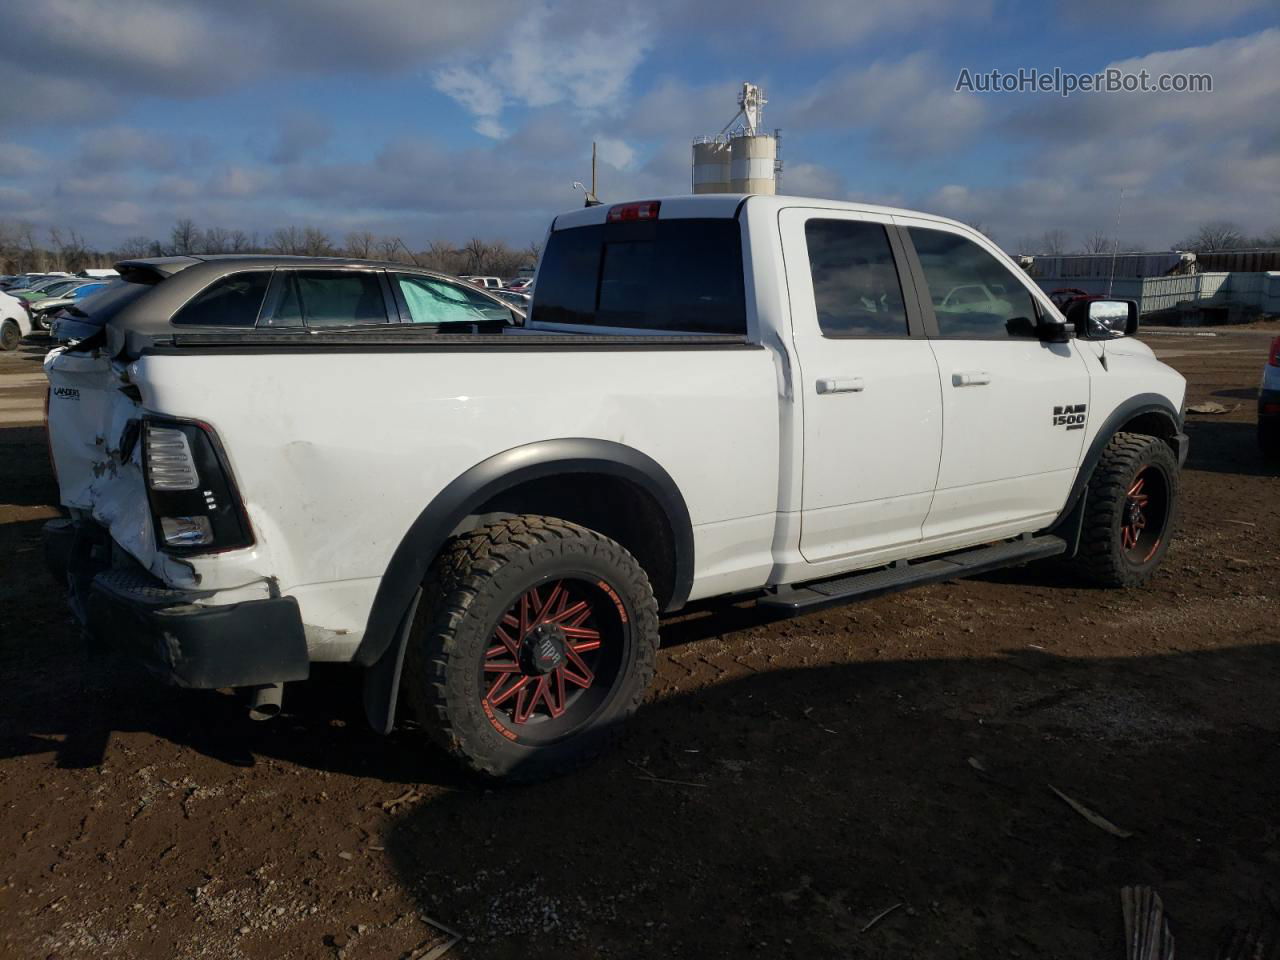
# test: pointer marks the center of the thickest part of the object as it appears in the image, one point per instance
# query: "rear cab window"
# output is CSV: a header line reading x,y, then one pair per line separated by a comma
x,y
676,276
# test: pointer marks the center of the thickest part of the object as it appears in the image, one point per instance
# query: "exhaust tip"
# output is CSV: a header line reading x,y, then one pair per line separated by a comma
x,y
264,701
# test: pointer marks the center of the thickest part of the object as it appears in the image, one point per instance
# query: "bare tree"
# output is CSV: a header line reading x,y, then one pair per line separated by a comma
x,y
184,238
240,242
1214,235
286,240
358,243
70,249
1098,242
135,247
215,240
315,243
443,257
1053,243
477,254
388,248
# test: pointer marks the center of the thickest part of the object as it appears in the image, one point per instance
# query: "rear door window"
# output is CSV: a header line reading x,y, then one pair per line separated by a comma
x,y
674,276
856,290
327,298
436,301
230,301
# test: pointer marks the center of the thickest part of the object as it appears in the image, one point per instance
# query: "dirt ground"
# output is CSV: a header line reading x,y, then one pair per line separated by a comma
x,y
786,783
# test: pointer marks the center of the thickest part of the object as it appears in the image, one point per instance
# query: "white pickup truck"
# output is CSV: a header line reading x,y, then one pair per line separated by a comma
x,y
269,462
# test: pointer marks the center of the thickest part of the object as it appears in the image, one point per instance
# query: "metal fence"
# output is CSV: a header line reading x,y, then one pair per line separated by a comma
x,y
1260,291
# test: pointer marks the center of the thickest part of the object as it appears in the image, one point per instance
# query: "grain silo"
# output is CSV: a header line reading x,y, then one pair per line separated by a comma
x,y
751,165
711,165
741,158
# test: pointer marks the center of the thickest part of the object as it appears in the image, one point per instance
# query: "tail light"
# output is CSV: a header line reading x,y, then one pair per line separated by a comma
x,y
1274,358
646,210
195,506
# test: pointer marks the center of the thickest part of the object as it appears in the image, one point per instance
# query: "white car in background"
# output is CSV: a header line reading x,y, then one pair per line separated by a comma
x,y
15,322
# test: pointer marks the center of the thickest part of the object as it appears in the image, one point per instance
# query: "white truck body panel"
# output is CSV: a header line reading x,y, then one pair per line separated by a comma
x,y
331,485
335,454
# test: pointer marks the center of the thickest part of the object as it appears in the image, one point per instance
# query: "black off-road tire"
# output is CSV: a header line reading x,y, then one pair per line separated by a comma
x,y
10,335
475,582
1103,557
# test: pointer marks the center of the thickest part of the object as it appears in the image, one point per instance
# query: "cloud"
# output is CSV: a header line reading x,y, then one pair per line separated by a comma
x,y
812,180
1154,14
615,152
237,181
121,213
301,134
812,24
17,160
122,147
905,106
540,64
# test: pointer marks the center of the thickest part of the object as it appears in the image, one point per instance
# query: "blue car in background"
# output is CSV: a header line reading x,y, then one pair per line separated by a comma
x,y
43,311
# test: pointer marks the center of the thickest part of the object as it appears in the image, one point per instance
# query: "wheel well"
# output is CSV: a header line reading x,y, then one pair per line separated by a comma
x,y
1153,424
611,505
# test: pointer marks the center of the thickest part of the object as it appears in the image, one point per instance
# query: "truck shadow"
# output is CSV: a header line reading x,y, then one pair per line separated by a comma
x,y
777,815
1226,446
20,447
774,813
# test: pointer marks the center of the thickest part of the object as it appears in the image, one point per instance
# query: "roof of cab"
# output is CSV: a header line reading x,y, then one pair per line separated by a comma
x,y
714,205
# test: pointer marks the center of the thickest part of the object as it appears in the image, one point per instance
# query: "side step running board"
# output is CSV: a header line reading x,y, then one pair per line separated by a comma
x,y
827,593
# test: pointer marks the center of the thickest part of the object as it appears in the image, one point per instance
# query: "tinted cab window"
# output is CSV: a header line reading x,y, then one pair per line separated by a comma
x,y
855,281
675,276
975,297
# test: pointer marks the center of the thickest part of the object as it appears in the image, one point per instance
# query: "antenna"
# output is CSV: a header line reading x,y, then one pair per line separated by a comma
x,y
591,199
1115,244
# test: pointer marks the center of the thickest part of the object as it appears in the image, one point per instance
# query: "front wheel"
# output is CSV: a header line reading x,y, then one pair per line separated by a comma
x,y
10,335
1130,508
535,640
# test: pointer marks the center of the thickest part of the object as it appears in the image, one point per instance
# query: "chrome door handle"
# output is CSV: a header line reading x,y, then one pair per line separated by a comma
x,y
837,385
970,378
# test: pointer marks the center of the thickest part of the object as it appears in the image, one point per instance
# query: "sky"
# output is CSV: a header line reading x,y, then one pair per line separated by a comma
x,y
440,121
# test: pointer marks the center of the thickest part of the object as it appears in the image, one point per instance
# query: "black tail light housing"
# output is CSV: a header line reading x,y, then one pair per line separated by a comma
x,y
195,506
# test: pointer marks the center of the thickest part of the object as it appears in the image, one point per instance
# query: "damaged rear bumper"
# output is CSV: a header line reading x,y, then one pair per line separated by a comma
x,y
176,634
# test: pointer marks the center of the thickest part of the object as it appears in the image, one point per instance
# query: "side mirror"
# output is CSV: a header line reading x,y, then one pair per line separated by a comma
x,y
1049,330
1104,319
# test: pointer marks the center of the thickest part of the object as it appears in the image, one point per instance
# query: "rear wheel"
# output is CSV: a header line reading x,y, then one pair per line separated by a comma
x,y
535,641
1129,511
10,335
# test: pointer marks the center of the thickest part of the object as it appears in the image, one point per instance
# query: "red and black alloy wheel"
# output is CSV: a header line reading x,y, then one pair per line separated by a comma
x,y
555,655
1146,510
535,639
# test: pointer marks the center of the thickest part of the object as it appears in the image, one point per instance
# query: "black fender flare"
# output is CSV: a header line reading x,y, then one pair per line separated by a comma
x,y
1067,525
381,649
